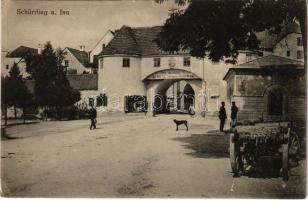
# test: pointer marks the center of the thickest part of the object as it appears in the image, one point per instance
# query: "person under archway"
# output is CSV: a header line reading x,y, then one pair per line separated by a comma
x,y
191,110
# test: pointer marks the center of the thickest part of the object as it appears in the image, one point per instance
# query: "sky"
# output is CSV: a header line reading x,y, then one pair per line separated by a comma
x,y
86,23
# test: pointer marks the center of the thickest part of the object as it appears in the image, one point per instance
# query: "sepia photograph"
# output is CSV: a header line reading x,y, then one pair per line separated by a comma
x,y
154,99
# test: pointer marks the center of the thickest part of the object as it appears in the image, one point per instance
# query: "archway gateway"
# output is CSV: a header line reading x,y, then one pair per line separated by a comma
x,y
159,82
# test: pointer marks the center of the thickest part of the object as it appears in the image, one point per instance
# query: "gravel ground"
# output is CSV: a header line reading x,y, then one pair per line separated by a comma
x,y
130,156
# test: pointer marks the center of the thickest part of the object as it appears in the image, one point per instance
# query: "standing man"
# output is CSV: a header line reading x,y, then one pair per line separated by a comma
x,y
234,110
93,115
154,110
222,116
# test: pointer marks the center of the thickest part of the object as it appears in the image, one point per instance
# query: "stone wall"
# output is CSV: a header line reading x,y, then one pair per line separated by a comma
x,y
252,97
83,81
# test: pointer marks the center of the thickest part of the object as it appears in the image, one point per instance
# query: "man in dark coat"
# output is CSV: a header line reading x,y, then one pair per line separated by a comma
x,y
222,116
234,110
93,115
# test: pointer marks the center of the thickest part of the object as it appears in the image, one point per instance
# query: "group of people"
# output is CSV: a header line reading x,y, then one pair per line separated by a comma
x,y
223,115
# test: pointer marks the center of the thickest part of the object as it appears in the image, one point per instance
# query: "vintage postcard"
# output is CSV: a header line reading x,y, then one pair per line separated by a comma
x,y
154,98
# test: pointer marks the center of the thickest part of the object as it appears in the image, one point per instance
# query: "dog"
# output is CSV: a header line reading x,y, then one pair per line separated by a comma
x,y
179,122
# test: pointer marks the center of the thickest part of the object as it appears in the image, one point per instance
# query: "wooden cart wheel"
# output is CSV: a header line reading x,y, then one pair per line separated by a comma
x,y
294,144
234,158
285,157
232,153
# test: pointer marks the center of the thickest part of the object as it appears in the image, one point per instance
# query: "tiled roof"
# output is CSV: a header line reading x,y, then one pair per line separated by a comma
x,y
140,41
83,81
134,41
21,52
124,42
269,62
81,56
145,37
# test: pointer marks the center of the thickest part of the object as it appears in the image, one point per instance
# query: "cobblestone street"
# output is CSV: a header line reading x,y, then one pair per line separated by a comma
x,y
130,156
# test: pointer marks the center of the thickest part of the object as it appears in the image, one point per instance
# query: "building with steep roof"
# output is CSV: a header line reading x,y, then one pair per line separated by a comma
x,y
78,61
133,65
16,56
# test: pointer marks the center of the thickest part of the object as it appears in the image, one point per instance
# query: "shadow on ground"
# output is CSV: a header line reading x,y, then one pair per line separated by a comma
x,y
213,145
20,123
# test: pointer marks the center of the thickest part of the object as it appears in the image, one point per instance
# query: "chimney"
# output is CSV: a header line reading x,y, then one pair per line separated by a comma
x,y
82,48
39,49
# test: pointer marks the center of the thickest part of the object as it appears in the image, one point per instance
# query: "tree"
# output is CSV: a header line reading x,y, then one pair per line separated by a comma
x,y
218,29
52,89
4,97
14,91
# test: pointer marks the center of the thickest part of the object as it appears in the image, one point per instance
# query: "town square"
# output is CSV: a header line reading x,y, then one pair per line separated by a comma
x,y
154,99
122,158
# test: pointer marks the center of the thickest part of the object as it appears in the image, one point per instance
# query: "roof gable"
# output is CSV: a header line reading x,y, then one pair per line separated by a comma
x,y
81,56
21,51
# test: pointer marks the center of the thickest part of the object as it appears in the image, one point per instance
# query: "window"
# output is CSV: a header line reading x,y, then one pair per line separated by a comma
x,y
125,62
91,102
300,55
66,63
7,66
299,41
156,62
288,53
186,61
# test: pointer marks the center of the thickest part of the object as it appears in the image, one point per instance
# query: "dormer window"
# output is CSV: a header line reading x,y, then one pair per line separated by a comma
x,y
288,53
156,62
126,62
186,62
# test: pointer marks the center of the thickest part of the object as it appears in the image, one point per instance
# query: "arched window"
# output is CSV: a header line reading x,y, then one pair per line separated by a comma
x,y
275,103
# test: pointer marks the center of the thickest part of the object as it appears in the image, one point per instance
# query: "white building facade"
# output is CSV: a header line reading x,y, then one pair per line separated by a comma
x,y
132,65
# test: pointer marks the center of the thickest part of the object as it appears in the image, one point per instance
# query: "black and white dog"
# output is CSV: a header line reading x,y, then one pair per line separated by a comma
x,y
179,122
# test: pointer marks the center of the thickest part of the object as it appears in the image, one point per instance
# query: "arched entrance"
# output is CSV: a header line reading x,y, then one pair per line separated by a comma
x,y
179,97
275,98
189,97
173,91
275,102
